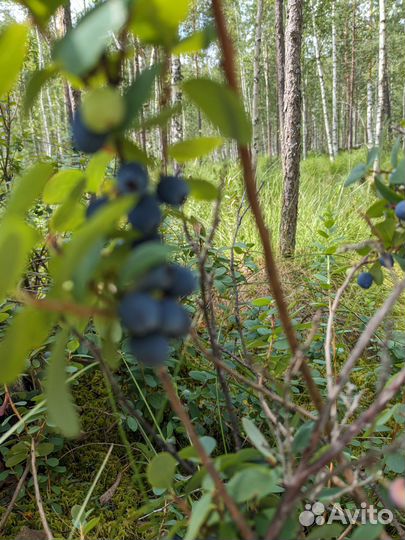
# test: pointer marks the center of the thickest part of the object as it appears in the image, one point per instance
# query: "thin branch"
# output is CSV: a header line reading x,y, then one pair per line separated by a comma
x,y
38,497
14,497
181,412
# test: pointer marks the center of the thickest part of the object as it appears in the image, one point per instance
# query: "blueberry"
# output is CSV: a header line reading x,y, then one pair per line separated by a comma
x,y
152,350
182,281
175,319
146,216
156,279
173,190
365,280
400,210
387,260
140,313
132,178
95,205
84,139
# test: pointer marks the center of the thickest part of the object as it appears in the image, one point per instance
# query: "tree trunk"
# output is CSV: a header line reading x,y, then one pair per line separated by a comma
x,y
280,60
177,126
268,112
292,127
352,78
256,85
381,75
335,116
322,84
46,142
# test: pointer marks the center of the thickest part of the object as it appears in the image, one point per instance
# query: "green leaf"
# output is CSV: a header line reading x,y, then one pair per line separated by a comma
x,y
17,240
13,45
377,273
35,83
27,189
96,169
395,462
44,449
142,259
79,51
71,213
132,152
161,470
102,222
61,186
202,190
160,119
303,437
61,410
372,155
395,151
139,92
387,193
252,482
386,229
199,514
190,453
326,532
157,21
397,178
377,209
195,42
257,438
194,148
222,106
357,173
16,459
28,331
370,531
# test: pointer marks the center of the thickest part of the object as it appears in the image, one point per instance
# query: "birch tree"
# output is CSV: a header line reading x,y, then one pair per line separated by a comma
x,y
322,83
256,85
381,73
292,127
335,116
280,60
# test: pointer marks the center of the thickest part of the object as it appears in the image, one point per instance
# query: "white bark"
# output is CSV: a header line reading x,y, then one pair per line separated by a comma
x,y
322,84
256,85
335,117
47,140
381,74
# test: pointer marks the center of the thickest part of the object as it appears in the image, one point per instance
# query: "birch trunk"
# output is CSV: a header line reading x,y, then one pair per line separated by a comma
x,y
322,85
256,85
292,127
335,116
46,143
381,74
280,60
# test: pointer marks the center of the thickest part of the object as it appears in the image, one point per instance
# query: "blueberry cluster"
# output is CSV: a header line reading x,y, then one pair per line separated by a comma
x,y
366,279
151,312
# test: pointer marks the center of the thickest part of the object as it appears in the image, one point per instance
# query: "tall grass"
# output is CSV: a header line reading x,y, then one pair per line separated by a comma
x,y
321,188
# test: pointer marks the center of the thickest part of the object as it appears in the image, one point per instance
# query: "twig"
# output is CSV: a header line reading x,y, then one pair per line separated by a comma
x,y
38,497
14,497
179,409
250,184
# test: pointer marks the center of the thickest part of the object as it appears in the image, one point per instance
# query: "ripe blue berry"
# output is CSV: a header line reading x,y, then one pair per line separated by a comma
x,y
173,190
175,319
140,313
146,216
182,281
84,139
400,210
157,279
152,350
365,280
132,178
387,260
95,205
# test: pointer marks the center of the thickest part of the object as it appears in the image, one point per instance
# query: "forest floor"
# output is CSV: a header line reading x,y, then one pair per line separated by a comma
x,y
330,215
